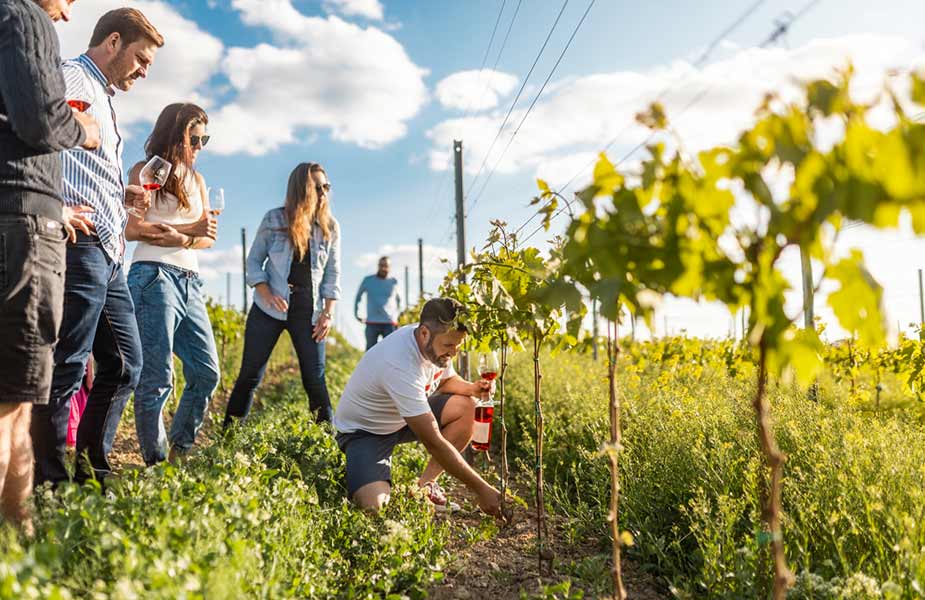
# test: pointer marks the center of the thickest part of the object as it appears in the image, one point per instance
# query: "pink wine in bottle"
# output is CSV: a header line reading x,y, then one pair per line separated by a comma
x,y
481,436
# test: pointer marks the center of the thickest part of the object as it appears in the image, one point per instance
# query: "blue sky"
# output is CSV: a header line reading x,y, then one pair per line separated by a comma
x,y
374,90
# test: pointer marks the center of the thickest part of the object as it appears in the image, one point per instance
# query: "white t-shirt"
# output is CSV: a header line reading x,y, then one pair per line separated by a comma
x,y
165,208
391,382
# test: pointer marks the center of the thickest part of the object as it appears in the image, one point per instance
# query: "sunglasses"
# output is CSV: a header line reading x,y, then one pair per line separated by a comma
x,y
199,140
323,189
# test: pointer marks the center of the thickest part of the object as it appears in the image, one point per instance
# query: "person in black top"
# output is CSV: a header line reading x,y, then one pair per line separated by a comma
x,y
293,266
35,124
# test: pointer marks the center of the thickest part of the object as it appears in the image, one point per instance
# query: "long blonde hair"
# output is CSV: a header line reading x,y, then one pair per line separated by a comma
x,y
304,208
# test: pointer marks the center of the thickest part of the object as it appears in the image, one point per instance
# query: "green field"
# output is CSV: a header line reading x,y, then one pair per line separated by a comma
x,y
854,483
259,515
263,513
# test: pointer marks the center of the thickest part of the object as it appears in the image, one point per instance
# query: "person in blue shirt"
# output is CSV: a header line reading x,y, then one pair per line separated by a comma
x,y
294,268
382,303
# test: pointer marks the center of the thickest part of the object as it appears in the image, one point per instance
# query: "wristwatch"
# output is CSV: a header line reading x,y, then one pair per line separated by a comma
x,y
327,313
191,241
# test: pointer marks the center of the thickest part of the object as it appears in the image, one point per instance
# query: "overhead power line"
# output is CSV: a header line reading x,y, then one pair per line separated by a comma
x,y
533,103
704,57
782,27
701,60
523,85
507,35
491,40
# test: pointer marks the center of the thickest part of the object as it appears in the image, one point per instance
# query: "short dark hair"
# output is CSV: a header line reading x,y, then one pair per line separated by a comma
x,y
439,314
129,23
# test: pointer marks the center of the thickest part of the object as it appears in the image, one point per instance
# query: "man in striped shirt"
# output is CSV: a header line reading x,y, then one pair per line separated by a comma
x,y
98,310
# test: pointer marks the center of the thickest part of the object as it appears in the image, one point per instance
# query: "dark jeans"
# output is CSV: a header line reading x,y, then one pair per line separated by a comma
x,y
260,337
374,331
98,317
31,300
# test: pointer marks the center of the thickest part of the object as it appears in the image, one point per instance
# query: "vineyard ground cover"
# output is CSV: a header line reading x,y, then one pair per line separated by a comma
x,y
260,514
492,562
263,515
853,497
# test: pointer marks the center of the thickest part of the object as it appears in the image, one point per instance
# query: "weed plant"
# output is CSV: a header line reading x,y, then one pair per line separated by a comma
x,y
854,485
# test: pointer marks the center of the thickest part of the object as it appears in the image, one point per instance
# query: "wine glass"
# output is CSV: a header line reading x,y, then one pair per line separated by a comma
x,y
79,105
216,201
153,177
488,365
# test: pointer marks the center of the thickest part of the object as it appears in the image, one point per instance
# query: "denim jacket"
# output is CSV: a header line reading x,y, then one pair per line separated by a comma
x,y
270,258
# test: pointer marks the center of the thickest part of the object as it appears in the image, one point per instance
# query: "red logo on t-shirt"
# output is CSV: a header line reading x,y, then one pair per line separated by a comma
x,y
436,379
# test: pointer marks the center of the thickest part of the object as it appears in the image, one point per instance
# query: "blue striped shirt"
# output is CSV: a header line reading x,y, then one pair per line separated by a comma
x,y
94,177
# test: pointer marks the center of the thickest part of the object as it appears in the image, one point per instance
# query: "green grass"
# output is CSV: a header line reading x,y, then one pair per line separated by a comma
x,y
854,487
262,514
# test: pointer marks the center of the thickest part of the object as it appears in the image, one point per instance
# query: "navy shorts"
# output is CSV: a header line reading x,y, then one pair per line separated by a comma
x,y
369,455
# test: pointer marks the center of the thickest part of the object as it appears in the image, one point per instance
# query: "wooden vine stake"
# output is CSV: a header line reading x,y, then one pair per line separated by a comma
x,y
544,555
504,467
774,458
613,450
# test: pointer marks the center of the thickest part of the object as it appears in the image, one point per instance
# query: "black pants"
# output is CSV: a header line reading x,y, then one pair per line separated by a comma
x,y
31,305
260,337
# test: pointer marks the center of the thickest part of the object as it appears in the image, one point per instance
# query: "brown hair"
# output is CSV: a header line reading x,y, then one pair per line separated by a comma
x,y
129,23
304,208
170,140
439,314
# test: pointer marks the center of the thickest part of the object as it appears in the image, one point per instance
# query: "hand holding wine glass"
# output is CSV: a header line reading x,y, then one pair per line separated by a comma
x,y
91,130
79,105
153,176
488,365
216,201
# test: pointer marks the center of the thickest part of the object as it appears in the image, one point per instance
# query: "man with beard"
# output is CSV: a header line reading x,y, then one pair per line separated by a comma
x,y
404,389
98,312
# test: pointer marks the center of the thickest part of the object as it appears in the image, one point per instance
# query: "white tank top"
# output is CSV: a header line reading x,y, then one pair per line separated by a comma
x,y
165,209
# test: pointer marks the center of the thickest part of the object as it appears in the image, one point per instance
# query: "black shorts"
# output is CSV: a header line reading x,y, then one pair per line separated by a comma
x,y
32,264
369,455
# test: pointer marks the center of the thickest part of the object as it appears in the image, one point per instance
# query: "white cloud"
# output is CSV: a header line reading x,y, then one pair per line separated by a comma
x,y
370,9
474,90
189,58
580,115
279,16
215,263
358,83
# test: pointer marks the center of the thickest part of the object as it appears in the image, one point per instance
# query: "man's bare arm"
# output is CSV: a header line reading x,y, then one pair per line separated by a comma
x,y
458,385
428,431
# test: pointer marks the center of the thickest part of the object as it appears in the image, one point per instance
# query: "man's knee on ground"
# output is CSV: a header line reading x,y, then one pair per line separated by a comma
x,y
373,496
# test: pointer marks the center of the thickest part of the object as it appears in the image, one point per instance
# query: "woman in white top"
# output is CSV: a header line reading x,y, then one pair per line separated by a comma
x,y
167,290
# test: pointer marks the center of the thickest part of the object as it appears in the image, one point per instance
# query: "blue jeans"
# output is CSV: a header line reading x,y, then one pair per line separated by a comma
x,y
260,336
172,318
98,317
374,331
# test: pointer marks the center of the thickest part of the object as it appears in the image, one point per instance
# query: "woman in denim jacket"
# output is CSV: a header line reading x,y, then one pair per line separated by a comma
x,y
294,268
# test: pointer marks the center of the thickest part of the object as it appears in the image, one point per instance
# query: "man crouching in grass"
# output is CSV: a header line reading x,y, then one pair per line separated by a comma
x,y
404,389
